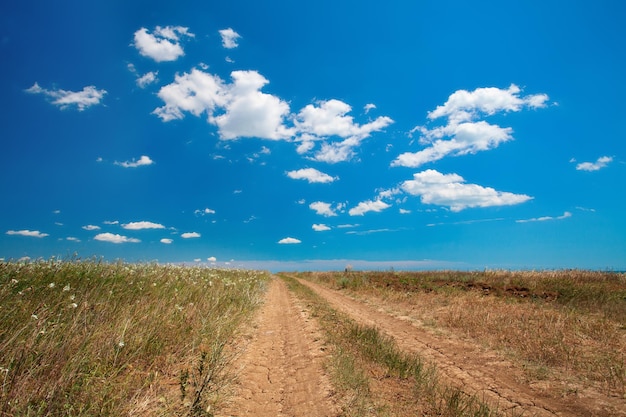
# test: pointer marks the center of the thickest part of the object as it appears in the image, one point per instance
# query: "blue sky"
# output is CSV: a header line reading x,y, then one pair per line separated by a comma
x,y
291,135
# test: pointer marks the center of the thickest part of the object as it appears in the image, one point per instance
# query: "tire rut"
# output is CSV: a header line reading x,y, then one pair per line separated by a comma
x,y
280,371
470,368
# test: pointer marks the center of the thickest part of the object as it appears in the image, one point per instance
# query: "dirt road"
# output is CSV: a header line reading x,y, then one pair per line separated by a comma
x,y
473,369
281,369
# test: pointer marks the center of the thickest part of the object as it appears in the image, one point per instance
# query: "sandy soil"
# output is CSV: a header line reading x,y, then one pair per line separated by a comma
x,y
280,371
472,368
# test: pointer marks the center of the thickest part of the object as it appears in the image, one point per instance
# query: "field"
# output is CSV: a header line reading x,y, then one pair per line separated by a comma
x,y
83,338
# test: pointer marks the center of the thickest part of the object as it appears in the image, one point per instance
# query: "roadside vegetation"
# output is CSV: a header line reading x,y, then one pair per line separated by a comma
x,y
374,377
84,338
563,326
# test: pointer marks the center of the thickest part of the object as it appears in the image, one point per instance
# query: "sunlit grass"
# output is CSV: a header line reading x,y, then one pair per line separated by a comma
x,y
564,324
91,338
363,357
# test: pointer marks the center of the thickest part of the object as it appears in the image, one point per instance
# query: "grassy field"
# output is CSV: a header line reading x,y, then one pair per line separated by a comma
x,y
83,338
90,338
564,325
375,378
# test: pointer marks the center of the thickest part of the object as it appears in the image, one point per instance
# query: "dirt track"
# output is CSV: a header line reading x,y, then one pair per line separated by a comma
x,y
281,369
281,372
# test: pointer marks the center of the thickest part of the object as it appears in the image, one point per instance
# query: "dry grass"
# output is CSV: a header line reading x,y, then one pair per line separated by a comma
x,y
375,377
558,324
90,338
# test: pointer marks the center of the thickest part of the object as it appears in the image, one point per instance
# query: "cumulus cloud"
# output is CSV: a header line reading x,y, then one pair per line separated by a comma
x,y
115,238
147,79
229,38
238,109
29,233
463,133
320,227
190,235
455,140
143,161
162,44
289,241
166,241
323,209
565,215
450,190
367,206
204,212
211,259
311,175
600,163
142,225
87,97
330,119
91,227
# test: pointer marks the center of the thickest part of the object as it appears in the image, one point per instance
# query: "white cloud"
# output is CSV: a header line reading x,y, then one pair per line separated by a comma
x,y
463,134
244,111
163,44
229,38
565,215
323,209
190,235
111,222
311,175
142,225
204,212
147,79
450,190
115,238
87,97
143,161
600,163
320,227
404,211
465,138
328,119
289,241
72,239
369,107
211,259
166,241
367,206
464,105
29,233
91,227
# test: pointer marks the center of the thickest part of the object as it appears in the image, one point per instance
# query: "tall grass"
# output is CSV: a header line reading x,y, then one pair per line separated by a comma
x,y
568,323
362,351
92,338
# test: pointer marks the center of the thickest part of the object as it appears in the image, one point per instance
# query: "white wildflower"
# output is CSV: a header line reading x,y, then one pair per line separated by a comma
x,y
51,285
66,288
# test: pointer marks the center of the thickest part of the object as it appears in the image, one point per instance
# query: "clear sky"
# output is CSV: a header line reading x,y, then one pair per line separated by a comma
x,y
312,135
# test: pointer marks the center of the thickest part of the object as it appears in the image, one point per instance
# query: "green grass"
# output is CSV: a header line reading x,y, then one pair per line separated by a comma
x,y
92,338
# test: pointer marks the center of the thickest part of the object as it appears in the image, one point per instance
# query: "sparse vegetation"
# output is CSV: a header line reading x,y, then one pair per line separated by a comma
x,y
568,325
362,350
92,338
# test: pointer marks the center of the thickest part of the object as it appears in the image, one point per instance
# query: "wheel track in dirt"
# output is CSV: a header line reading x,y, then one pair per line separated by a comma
x,y
471,368
280,371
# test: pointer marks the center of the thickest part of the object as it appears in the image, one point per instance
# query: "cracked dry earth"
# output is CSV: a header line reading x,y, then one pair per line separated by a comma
x,y
281,371
475,370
